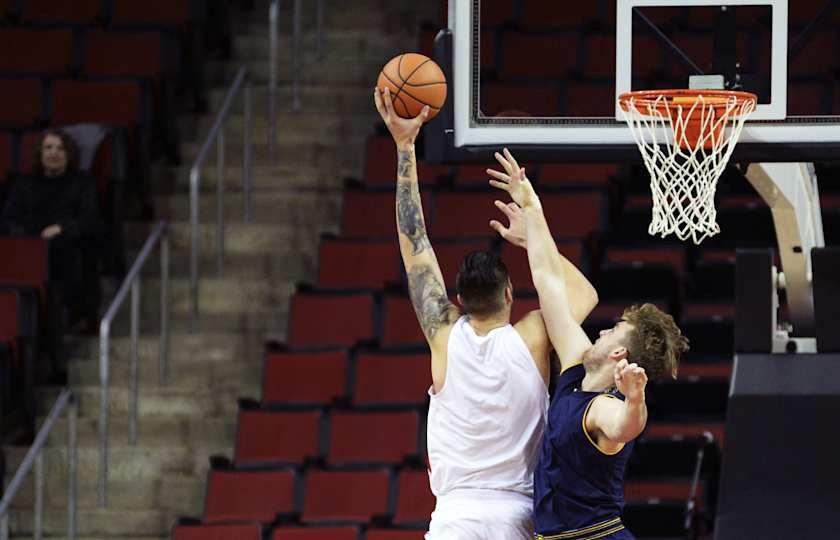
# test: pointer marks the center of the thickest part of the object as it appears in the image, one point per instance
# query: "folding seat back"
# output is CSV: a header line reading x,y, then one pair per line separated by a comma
x,y
557,15
103,102
240,531
50,11
351,496
463,214
395,534
516,261
522,305
400,327
36,51
473,175
575,214
248,495
304,377
6,157
26,261
576,174
497,12
600,54
21,102
519,63
513,99
391,379
373,437
358,263
156,12
331,319
672,256
276,437
588,98
451,254
371,214
9,316
315,533
381,165
415,501
711,336
134,54
654,457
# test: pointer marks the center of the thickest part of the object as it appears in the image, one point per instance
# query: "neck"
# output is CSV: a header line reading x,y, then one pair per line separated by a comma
x,y
600,379
53,173
484,325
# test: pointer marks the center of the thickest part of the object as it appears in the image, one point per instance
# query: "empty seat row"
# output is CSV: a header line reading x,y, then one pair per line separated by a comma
x,y
116,12
291,532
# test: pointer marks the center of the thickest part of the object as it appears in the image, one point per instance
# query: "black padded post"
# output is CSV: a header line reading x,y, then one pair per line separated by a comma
x,y
826,281
753,300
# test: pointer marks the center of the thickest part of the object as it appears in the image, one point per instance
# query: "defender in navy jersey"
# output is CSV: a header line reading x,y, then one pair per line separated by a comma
x,y
598,407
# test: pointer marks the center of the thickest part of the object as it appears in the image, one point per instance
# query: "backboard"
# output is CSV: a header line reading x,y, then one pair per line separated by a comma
x,y
544,76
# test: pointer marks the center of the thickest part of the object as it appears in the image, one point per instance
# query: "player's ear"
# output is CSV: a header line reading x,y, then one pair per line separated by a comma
x,y
509,292
618,354
458,298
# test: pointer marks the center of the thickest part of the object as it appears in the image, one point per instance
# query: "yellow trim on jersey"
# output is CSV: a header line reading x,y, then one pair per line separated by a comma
x,y
597,531
583,426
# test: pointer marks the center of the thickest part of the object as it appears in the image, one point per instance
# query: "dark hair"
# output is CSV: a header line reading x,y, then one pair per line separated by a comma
x,y
656,342
70,147
481,282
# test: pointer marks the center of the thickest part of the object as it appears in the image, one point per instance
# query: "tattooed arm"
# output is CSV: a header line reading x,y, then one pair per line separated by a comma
x,y
435,312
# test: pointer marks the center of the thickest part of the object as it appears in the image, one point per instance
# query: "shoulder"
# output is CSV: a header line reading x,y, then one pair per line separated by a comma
x,y
569,379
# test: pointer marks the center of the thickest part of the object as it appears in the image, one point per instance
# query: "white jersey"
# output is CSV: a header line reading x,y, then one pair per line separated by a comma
x,y
485,425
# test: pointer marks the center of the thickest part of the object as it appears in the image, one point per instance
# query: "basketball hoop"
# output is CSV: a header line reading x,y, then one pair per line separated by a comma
x,y
686,138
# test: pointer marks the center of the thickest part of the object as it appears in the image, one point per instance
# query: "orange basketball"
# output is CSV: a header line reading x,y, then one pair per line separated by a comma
x,y
414,80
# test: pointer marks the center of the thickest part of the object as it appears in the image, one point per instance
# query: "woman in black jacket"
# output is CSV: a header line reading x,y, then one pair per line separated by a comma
x,y
59,202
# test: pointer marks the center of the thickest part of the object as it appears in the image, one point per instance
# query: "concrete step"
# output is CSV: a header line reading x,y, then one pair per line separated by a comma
x,y
350,128
337,45
108,523
276,266
232,346
332,155
319,97
268,324
353,73
303,209
154,401
284,178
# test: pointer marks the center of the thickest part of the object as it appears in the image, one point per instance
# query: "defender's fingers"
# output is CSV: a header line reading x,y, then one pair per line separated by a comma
x,y
496,174
499,228
504,208
514,208
503,162
510,158
500,185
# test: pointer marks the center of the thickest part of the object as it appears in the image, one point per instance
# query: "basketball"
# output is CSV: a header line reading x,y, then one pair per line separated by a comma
x,y
414,80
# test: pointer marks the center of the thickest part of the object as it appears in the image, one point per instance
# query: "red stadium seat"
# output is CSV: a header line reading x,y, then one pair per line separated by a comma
x,y
37,51
268,437
576,174
25,261
372,213
557,14
381,165
522,306
473,175
671,256
9,316
393,379
50,11
152,12
496,12
315,533
516,260
574,214
399,323
812,59
517,99
600,55
807,96
217,532
21,102
355,496
673,490
304,377
248,495
590,99
372,437
5,156
450,254
370,264
134,54
395,534
112,103
519,61
415,501
330,319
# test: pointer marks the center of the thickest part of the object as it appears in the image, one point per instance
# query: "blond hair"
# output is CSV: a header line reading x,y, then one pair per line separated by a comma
x,y
655,343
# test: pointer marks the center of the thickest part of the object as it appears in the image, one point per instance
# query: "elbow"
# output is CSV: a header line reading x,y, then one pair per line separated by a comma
x,y
591,299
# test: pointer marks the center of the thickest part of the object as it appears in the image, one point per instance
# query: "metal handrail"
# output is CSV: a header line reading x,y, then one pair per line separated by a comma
x,y
274,62
35,456
217,134
131,283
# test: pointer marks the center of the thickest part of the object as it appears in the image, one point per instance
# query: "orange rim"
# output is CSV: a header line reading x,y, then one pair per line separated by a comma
x,y
717,99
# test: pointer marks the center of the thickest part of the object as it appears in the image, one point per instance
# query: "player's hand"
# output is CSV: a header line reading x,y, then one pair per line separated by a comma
x,y
513,180
51,231
403,130
515,232
630,379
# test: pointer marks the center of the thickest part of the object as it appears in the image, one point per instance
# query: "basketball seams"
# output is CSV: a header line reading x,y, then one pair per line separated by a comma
x,y
406,79
404,86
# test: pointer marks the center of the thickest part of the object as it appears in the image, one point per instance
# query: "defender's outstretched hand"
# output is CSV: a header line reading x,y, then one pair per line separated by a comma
x,y
513,180
515,232
630,379
403,130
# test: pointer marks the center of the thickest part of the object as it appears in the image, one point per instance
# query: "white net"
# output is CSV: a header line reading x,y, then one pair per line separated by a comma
x,y
686,144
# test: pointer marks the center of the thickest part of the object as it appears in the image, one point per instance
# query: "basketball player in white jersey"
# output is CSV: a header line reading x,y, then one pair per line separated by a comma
x,y
489,379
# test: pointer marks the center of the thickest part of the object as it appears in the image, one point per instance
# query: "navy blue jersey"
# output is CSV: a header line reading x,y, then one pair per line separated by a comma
x,y
576,485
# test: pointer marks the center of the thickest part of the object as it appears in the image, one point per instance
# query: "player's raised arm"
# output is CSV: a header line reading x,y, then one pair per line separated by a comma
x,y
547,271
425,281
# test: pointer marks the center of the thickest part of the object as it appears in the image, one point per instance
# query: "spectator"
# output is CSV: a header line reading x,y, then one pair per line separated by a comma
x,y
59,202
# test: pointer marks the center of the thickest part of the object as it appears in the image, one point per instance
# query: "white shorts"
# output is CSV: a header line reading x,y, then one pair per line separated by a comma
x,y
482,514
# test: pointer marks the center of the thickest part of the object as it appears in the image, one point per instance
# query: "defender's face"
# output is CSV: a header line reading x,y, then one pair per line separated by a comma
x,y
610,341
53,155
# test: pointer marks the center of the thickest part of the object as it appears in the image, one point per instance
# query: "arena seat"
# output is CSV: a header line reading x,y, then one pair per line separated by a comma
x,y
331,319
656,457
666,490
575,174
803,95
10,323
345,263
600,56
381,165
687,399
51,12
557,15
516,260
584,98
391,378
473,175
239,531
518,61
395,534
316,378
711,333
315,533
655,519
122,53
522,305
639,282
812,60
399,323
518,99
104,102
415,501
248,495
21,102
345,495
497,12
672,256
26,261
713,281
371,214
276,437
156,12
6,156
37,51
451,253
372,437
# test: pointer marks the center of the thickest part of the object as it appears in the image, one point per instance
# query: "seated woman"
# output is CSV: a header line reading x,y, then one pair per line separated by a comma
x,y
59,202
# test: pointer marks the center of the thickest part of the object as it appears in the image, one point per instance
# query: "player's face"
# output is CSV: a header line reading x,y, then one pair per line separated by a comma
x,y
612,338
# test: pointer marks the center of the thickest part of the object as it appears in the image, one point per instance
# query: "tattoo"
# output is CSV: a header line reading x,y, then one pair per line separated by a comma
x,y
405,163
410,216
428,297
